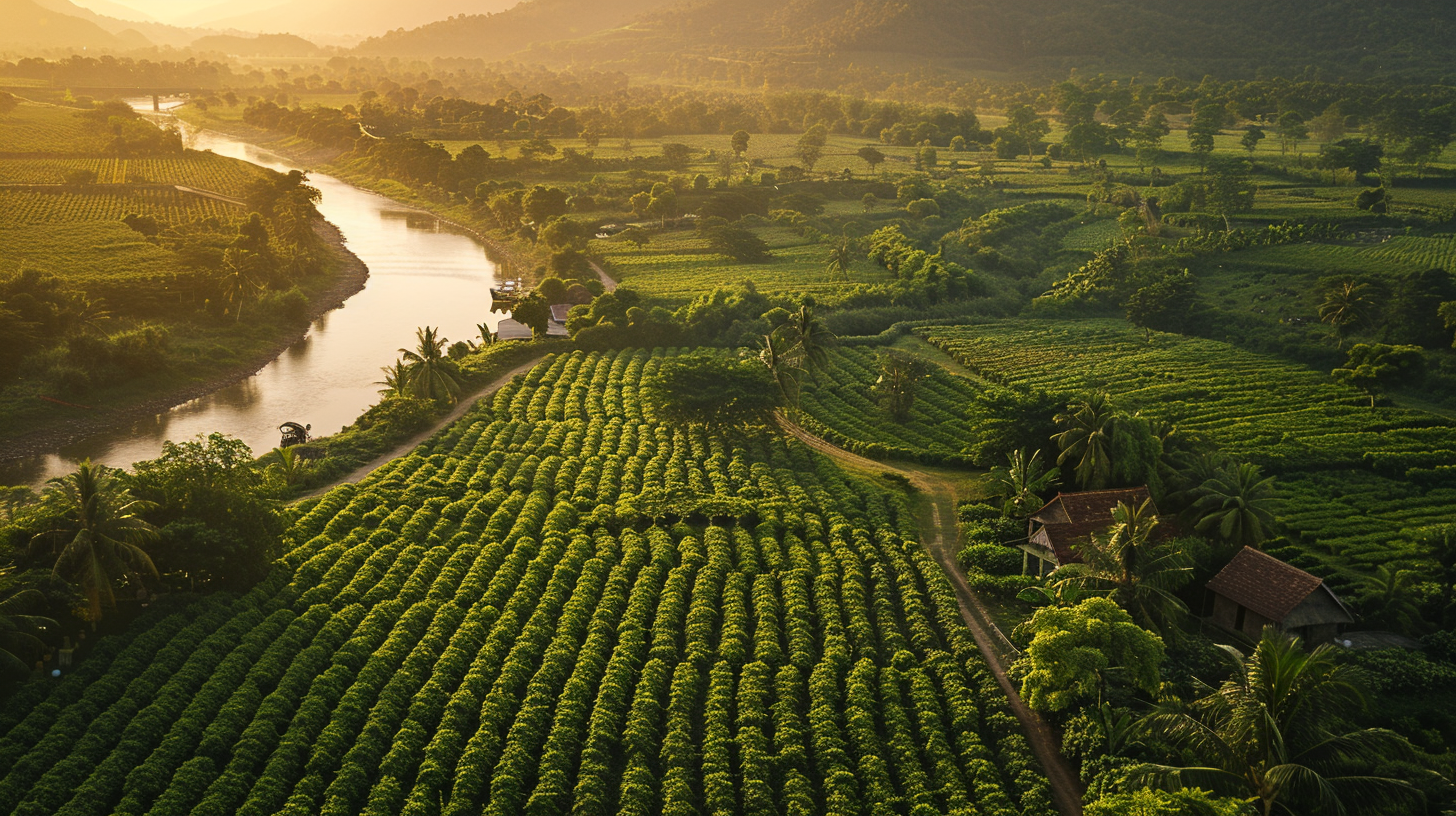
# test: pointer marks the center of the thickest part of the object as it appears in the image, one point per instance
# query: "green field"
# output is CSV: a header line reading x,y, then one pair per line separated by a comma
x,y
840,407
47,129
202,170
1342,464
559,605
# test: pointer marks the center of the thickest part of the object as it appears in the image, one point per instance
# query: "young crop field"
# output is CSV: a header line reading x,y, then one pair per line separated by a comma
x,y
1346,467
559,606
839,406
106,259
31,129
18,206
205,171
679,266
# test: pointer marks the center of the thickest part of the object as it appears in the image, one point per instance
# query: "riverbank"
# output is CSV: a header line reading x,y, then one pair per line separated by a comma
x,y
108,409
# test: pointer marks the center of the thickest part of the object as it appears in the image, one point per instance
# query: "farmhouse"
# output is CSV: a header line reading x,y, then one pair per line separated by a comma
x,y
1071,518
1257,590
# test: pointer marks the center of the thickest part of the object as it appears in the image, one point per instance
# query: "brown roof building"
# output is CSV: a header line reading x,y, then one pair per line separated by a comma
x,y
1069,519
1257,590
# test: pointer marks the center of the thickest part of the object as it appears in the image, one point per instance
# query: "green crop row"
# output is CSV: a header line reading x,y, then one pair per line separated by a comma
x,y
559,606
23,207
205,171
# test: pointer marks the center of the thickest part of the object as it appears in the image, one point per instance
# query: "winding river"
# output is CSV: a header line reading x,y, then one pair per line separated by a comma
x,y
421,272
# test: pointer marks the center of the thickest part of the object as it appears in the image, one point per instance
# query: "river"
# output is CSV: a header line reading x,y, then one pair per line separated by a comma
x,y
421,273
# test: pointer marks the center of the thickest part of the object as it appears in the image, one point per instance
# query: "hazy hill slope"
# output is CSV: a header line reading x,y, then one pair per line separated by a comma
x,y
263,45
1190,37
132,33
32,27
359,17
497,36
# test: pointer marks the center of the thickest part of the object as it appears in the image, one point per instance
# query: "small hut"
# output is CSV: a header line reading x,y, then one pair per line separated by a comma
x,y
1257,590
1069,519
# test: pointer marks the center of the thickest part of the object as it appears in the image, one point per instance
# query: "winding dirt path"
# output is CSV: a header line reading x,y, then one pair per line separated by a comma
x,y
467,401
941,535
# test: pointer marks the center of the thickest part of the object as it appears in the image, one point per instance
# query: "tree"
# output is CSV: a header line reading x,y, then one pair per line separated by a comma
x,y
1148,138
736,242
1006,420
1207,120
1236,504
1021,483
1390,598
1291,130
1086,439
927,157
871,156
1360,156
740,144
534,312
100,533
396,379
1165,305
1023,123
1088,140
8,103
1346,305
1253,135
1272,733
784,362
712,390
542,204
432,374
840,258
1139,573
810,336
676,156
1228,190
811,146
1077,651
242,277
19,631
922,208
1376,367
900,373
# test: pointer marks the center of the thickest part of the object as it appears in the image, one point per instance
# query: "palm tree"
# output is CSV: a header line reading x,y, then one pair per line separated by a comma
x,y
899,375
1346,305
1236,504
431,373
18,630
1086,439
1269,734
240,278
811,335
1389,597
290,467
100,532
486,335
396,379
1021,483
1137,572
840,258
783,362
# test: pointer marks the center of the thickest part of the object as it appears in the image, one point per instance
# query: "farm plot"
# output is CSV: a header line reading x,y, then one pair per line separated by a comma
x,y
47,129
204,171
839,406
66,206
559,606
1352,475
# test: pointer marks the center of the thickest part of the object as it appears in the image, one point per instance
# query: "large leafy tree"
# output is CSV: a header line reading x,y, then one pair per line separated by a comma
x,y
1076,651
1376,367
1273,733
712,390
1235,504
900,374
1085,440
1133,568
99,534
432,374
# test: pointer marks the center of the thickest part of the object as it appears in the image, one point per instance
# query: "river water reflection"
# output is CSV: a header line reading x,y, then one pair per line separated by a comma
x,y
421,272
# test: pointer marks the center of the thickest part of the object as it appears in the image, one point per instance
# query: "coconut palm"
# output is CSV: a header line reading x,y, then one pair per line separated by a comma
x,y
1389,598
486,335
1132,568
1345,306
1271,734
900,373
811,335
431,373
784,362
1235,505
841,257
289,468
241,278
100,533
396,379
18,630
1086,439
1021,483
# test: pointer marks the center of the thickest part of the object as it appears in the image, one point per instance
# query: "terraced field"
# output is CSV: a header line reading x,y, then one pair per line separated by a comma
x,y
561,605
201,170
1356,479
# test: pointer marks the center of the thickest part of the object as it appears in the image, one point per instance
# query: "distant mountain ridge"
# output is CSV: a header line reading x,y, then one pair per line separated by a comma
x,y
1190,37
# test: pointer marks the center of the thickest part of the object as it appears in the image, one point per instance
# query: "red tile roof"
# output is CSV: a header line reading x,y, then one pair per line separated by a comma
x,y
1259,581
1071,517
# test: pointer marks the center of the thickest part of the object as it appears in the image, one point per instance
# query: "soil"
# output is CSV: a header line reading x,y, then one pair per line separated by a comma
x,y
941,536
348,280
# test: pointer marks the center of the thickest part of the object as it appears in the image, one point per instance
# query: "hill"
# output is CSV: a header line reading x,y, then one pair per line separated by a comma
x,y
30,26
263,45
131,30
359,18
1238,38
